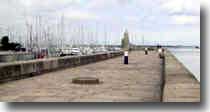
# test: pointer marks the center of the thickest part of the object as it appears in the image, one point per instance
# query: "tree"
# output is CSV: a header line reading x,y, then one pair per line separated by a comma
x,y
5,40
5,45
15,46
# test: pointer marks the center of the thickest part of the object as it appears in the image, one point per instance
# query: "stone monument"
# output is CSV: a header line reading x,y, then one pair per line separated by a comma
x,y
126,46
125,41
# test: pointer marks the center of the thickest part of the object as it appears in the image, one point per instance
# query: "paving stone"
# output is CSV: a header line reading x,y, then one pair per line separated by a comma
x,y
139,81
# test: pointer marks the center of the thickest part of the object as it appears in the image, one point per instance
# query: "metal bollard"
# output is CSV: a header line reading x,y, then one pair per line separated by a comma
x,y
161,53
126,57
146,51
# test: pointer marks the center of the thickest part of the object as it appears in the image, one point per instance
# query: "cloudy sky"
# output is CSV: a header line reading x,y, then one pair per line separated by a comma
x,y
166,21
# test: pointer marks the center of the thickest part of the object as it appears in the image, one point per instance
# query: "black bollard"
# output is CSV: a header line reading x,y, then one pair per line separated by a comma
x,y
146,52
126,57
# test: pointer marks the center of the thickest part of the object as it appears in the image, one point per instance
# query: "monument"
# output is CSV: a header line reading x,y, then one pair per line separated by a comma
x,y
125,41
126,46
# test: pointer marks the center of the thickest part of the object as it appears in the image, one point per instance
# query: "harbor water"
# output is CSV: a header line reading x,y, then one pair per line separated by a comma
x,y
190,58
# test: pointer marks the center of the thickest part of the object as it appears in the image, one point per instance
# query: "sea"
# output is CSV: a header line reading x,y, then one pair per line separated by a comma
x,y
190,58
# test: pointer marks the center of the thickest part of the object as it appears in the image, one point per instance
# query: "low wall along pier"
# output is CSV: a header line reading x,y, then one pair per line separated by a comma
x,y
23,69
179,84
15,56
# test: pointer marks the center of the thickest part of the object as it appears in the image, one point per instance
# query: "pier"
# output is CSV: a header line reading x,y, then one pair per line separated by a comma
x,y
146,78
93,51
180,84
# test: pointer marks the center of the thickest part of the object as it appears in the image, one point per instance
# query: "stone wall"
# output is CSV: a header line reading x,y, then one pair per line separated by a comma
x,y
179,84
15,56
23,69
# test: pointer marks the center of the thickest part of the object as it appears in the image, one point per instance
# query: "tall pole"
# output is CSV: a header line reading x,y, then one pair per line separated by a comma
x,y
96,33
82,34
105,35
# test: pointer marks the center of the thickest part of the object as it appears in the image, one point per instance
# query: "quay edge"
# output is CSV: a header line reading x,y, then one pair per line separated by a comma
x,y
180,85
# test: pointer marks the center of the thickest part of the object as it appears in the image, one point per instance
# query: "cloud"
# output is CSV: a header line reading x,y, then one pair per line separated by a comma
x,y
136,15
132,18
181,6
182,12
184,19
48,5
79,15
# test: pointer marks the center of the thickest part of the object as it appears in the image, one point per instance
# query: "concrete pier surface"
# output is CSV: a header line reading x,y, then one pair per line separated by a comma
x,y
180,84
139,81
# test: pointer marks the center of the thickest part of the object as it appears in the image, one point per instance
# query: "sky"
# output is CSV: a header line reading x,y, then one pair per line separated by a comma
x,y
147,21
